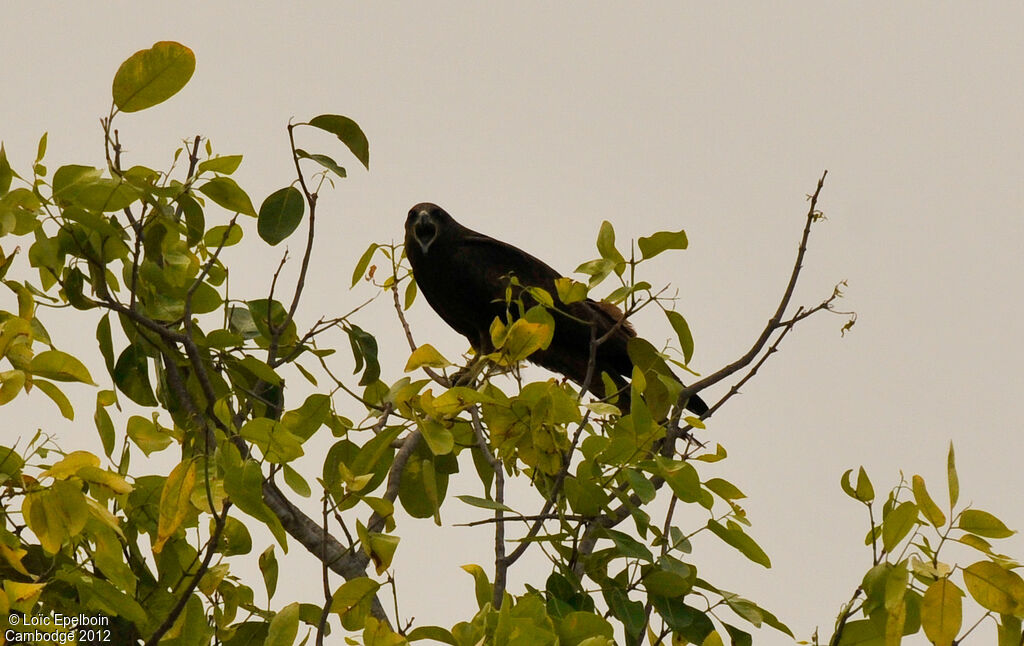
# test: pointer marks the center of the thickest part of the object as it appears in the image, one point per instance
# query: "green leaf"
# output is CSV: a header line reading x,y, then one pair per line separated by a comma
x,y
983,523
423,485
348,131
151,76
629,612
104,195
656,243
485,503
942,612
58,397
736,537
305,420
41,148
682,330
725,489
577,627
225,165
225,192
294,479
627,546
131,376
280,214
682,478
222,235
324,161
106,342
364,348
954,481
6,173
104,425
438,438
352,601
146,435
244,485
924,501
274,441
410,295
195,221
995,588
679,616
863,492
364,262
69,180
1009,632
898,524
284,626
235,537
268,566
434,633
606,247
59,366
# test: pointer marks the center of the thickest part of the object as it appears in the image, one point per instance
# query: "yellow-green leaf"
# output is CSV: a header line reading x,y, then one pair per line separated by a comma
x,y
654,244
928,507
954,480
481,584
898,524
426,355
23,596
607,249
570,291
56,394
284,626
983,523
223,235
995,588
174,501
108,479
70,465
439,439
225,164
364,262
353,594
151,76
147,435
11,383
56,514
942,612
682,330
225,192
59,366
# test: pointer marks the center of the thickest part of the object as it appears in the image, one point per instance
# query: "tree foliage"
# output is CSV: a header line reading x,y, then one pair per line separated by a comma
x,y
200,371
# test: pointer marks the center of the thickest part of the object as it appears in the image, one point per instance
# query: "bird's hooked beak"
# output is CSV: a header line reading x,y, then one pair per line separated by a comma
x,y
424,230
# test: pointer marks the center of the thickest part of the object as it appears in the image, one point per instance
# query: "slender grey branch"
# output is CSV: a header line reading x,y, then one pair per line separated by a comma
x,y
773,322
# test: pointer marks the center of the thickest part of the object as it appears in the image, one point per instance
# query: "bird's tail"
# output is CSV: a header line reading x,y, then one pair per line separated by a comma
x,y
694,404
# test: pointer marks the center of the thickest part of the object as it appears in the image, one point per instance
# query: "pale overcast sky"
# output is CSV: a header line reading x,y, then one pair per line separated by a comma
x,y
535,121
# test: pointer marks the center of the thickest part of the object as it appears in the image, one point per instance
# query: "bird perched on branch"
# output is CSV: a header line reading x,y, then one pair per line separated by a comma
x,y
464,276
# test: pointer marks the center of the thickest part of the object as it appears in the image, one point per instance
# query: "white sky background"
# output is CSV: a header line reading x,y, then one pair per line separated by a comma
x,y
534,124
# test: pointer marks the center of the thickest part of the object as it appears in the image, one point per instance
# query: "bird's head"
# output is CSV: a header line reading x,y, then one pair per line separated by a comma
x,y
425,224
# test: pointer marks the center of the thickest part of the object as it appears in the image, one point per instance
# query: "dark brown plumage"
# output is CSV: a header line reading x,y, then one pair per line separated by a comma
x,y
464,274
